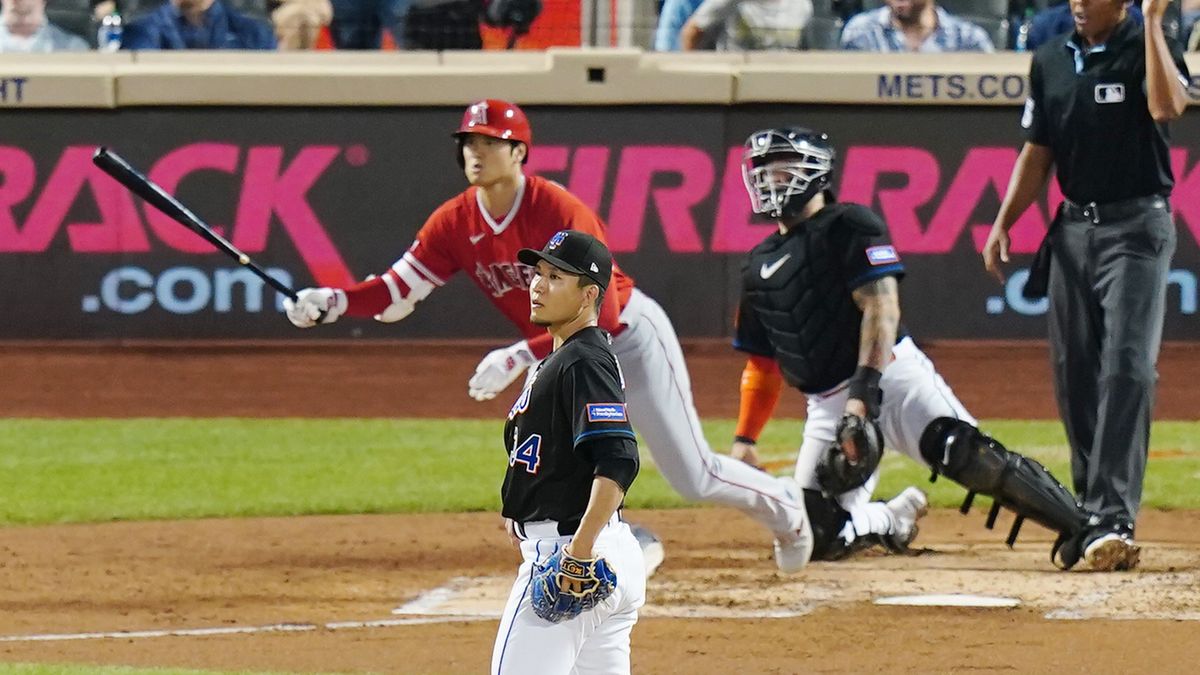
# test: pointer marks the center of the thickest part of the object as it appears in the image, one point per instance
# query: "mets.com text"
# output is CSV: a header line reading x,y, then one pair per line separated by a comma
x,y
997,87
953,87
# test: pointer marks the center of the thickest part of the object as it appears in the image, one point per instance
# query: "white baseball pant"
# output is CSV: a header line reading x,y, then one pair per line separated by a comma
x,y
913,396
594,643
658,394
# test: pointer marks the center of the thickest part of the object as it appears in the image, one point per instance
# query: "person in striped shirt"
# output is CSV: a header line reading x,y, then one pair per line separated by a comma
x,y
913,26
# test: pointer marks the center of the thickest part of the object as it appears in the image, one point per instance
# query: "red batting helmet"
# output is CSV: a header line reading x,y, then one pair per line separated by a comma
x,y
498,119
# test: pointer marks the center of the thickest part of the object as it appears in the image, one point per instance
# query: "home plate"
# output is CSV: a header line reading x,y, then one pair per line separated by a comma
x,y
948,600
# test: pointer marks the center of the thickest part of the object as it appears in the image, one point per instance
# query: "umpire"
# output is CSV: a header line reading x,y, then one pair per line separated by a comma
x,y
1099,101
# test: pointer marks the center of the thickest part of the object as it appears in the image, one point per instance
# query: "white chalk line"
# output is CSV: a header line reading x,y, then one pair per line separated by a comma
x,y
242,630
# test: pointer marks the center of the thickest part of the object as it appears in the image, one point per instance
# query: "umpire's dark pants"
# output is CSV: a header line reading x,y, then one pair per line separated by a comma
x,y
1107,300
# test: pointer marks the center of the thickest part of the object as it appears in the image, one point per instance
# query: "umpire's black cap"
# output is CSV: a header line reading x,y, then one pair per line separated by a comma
x,y
575,252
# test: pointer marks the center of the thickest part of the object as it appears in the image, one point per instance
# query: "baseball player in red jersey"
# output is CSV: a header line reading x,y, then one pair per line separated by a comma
x,y
480,232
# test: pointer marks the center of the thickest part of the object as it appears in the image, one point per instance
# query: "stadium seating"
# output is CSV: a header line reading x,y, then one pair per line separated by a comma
x,y
822,32
73,16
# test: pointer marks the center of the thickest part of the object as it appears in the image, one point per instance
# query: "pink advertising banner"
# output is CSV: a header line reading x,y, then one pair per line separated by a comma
x,y
329,196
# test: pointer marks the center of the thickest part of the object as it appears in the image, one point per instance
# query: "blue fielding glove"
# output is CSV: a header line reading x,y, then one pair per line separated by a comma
x,y
564,586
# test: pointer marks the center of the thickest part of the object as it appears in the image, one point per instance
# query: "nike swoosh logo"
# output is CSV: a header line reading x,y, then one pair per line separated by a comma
x,y
768,270
476,237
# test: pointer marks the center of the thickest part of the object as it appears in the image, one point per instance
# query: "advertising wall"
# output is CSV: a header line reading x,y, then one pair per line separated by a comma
x,y
328,195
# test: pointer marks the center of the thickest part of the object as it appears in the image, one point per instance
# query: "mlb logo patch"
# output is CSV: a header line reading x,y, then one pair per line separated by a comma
x,y
1110,93
557,239
882,255
606,412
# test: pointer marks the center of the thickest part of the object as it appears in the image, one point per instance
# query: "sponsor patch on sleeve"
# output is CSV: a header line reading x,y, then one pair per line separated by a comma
x,y
882,255
606,412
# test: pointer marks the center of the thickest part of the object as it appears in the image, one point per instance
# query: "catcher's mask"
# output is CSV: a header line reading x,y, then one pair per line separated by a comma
x,y
785,168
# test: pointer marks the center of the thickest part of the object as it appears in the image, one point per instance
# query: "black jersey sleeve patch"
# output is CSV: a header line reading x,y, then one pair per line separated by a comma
x,y
606,412
1033,116
869,253
592,390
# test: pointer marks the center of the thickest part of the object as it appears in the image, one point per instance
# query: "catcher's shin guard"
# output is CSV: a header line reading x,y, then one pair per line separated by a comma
x,y
962,453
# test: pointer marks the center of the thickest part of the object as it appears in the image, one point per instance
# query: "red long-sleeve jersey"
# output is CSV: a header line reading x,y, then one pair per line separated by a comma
x,y
462,235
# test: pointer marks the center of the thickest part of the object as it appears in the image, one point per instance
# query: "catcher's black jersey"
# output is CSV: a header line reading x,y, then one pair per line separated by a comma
x,y
797,305
577,395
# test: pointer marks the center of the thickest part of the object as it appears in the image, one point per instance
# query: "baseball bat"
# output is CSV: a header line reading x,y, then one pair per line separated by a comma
x,y
136,182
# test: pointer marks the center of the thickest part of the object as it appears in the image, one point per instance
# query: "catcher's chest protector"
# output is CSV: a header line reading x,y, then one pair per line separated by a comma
x,y
797,286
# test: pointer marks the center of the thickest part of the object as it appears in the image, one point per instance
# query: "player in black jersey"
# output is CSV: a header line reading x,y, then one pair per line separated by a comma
x,y
572,455
820,310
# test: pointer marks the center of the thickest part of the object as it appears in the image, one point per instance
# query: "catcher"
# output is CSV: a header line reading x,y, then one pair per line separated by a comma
x,y
820,310
571,458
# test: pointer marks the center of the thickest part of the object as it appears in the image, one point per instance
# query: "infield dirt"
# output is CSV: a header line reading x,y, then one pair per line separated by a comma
x,y
709,605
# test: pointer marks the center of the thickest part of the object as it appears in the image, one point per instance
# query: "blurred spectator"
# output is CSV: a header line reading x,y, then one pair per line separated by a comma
x,y
1190,14
299,22
359,24
24,28
444,24
1054,21
102,8
734,25
913,26
515,16
197,24
671,19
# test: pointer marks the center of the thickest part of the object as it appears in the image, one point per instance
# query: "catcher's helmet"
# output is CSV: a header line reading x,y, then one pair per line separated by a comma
x,y
785,168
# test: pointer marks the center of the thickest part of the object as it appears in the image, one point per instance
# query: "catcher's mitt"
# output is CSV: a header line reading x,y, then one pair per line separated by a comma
x,y
565,586
835,472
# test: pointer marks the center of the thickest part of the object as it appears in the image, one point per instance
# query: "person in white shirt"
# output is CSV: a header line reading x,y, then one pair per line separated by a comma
x,y
744,25
24,28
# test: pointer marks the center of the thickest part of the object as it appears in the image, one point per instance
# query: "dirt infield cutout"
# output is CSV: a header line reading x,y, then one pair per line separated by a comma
x,y
1161,591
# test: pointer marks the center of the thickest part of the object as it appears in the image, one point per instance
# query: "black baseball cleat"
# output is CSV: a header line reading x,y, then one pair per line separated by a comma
x,y
652,548
1112,549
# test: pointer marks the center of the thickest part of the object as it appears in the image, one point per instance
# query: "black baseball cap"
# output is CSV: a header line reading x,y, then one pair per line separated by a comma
x,y
575,252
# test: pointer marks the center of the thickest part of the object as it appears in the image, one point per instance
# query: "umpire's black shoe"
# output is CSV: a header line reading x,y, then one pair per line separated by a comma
x,y
1112,549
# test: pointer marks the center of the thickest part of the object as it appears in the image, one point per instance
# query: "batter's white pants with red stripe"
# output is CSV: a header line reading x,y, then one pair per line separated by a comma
x,y
594,643
658,395
914,394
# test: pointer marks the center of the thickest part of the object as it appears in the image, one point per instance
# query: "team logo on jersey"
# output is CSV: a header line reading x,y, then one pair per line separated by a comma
x,y
557,239
522,403
1110,93
501,277
882,255
606,412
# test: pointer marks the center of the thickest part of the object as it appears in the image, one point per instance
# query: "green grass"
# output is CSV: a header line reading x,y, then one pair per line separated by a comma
x,y
97,470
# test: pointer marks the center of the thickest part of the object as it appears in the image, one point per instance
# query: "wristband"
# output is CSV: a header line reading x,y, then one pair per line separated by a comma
x,y
744,439
864,386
